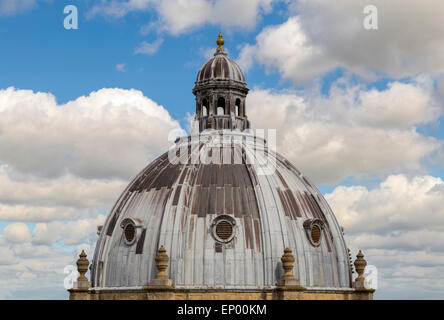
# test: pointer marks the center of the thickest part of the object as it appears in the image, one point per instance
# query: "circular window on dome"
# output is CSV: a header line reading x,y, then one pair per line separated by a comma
x,y
313,228
224,228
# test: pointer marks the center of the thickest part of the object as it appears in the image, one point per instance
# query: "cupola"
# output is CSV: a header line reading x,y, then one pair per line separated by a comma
x,y
220,92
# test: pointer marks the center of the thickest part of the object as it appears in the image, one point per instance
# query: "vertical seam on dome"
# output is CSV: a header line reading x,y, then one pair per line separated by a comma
x,y
226,69
230,69
213,66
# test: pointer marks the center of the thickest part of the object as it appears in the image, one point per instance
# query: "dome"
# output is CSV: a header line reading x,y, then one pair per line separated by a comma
x,y
224,224
216,213
220,67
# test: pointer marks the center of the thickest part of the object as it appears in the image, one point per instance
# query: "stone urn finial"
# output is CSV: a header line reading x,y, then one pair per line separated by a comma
x,y
288,264
360,264
162,265
288,279
82,268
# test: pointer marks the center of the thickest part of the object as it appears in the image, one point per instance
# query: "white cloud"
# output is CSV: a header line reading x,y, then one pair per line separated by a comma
x,y
149,48
323,35
34,271
178,16
286,48
398,203
7,256
64,191
33,213
73,232
349,123
17,232
246,57
109,133
400,226
9,7
401,106
63,167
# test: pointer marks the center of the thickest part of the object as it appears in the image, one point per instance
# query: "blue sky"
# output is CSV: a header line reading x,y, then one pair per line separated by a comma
x,y
43,56
360,112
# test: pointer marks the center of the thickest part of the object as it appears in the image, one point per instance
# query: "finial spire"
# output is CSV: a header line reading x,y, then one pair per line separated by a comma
x,y
220,40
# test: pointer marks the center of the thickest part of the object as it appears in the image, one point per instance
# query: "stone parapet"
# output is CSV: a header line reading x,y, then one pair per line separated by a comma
x,y
169,293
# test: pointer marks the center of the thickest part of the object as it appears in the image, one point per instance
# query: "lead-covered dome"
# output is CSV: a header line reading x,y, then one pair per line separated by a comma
x,y
220,67
223,206
223,222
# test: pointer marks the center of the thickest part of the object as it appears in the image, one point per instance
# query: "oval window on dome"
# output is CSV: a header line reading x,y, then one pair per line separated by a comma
x,y
315,233
130,230
313,228
223,228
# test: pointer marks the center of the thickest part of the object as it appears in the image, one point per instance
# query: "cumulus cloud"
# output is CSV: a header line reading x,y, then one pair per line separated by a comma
x,y
355,131
7,256
399,224
17,232
32,271
109,133
61,168
288,49
62,163
398,203
178,16
67,190
322,35
73,232
34,213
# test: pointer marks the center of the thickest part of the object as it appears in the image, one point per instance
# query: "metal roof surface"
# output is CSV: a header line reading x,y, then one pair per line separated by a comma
x,y
175,204
220,67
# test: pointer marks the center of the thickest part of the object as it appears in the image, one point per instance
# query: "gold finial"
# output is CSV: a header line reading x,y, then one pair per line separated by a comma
x,y
220,40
